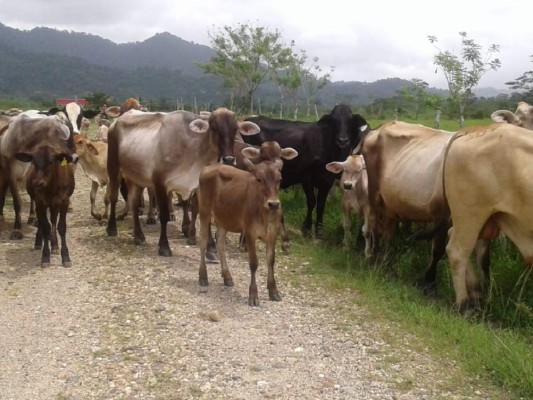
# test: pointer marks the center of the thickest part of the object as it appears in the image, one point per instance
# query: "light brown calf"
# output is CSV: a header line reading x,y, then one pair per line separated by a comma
x,y
354,186
247,203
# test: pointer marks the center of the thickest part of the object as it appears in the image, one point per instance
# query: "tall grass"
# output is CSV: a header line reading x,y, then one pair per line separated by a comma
x,y
496,343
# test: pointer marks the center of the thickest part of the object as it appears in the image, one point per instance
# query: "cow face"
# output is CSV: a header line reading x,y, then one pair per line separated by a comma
x,y
346,127
351,170
45,161
223,129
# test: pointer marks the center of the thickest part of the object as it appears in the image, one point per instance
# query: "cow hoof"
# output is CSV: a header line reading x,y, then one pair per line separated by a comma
x,y
38,247
31,220
253,302
151,221
211,258
164,252
98,217
202,288
228,282
55,250
67,264
121,217
274,297
139,241
111,231
286,249
16,235
191,241
45,265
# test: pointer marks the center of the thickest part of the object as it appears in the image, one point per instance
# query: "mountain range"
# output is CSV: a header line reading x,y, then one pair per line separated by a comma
x,y
52,63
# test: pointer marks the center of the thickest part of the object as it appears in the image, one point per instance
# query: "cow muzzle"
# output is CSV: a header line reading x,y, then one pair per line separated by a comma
x,y
227,160
347,185
343,142
273,204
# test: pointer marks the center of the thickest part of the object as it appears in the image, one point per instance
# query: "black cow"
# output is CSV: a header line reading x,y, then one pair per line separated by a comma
x,y
332,138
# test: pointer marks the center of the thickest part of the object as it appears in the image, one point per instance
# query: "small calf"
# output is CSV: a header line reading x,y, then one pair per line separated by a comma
x,y
242,202
50,183
354,186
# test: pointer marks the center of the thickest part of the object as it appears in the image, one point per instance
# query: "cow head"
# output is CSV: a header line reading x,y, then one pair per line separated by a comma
x,y
83,146
347,128
222,128
352,169
523,116
268,172
45,160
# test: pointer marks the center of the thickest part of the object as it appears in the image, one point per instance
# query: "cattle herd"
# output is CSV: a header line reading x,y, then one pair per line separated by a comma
x,y
469,185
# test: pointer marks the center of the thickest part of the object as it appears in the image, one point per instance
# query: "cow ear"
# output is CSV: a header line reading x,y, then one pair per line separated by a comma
x,y
504,116
288,153
24,157
92,149
248,128
363,128
335,167
250,152
113,111
199,125
205,115
64,132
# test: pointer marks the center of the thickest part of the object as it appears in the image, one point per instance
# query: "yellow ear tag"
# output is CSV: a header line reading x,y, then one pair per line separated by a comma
x,y
63,162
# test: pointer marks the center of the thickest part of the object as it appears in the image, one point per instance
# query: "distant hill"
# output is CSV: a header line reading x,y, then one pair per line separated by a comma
x,y
68,64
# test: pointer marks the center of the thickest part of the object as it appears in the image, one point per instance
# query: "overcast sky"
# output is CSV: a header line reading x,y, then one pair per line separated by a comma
x,y
364,40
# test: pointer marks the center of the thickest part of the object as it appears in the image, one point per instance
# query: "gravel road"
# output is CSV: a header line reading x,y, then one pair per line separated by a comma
x,y
123,323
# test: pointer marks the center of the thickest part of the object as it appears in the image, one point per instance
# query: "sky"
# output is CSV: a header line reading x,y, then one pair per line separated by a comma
x,y
363,40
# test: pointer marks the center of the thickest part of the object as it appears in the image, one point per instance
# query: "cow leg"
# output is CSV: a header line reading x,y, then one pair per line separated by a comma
x,y
205,218
92,198
186,220
271,260
17,226
285,244
62,229
162,202
3,194
106,205
31,217
44,227
211,251
483,261
253,298
151,216
135,192
322,196
311,202
462,242
53,232
346,225
367,233
438,249
124,192
172,215
221,247
112,189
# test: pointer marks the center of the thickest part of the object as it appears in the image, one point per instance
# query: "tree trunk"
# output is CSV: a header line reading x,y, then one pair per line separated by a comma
x,y
436,124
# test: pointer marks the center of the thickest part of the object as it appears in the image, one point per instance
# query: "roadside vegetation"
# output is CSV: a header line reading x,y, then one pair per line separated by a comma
x,y
495,344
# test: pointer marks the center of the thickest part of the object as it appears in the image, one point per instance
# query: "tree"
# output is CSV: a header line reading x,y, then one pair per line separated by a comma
x,y
524,84
313,79
463,72
245,57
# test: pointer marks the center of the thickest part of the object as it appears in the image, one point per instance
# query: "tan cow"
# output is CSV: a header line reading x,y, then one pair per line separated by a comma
x,y
354,186
166,152
488,181
404,165
256,212
523,116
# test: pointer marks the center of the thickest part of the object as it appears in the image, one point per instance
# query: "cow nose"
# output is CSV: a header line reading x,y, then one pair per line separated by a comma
x,y
273,204
347,185
228,160
343,142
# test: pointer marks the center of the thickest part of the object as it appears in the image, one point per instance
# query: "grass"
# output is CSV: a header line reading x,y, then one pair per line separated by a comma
x,y
496,344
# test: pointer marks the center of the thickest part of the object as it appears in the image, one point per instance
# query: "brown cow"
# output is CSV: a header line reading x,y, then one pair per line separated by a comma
x,y
256,212
166,152
24,134
523,116
487,194
50,183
